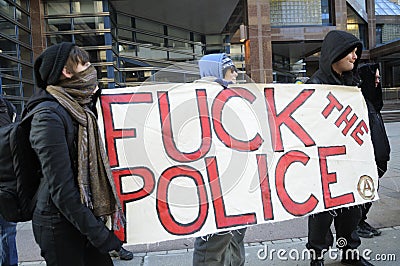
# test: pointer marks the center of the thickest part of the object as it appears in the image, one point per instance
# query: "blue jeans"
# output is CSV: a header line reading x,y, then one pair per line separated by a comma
x,y
8,230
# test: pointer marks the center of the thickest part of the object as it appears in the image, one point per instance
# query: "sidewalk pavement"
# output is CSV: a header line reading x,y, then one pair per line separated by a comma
x,y
284,241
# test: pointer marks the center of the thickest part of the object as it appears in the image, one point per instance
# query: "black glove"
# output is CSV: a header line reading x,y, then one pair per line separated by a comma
x,y
112,243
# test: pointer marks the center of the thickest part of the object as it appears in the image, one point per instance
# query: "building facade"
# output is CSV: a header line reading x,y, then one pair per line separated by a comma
x,y
130,41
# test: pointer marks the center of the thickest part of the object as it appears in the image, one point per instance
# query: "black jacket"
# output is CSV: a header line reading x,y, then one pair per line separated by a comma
x,y
373,99
336,45
53,136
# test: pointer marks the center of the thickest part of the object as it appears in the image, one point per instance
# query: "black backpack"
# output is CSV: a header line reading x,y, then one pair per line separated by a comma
x,y
19,170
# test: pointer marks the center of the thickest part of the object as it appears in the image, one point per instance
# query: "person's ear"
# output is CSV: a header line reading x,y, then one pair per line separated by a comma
x,y
66,73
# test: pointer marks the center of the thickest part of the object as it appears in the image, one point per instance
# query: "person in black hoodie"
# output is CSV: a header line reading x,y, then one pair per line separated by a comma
x,y
372,91
77,205
340,54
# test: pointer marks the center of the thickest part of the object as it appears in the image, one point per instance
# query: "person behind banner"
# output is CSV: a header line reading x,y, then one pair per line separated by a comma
x,y
340,54
77,199
371,89
223,248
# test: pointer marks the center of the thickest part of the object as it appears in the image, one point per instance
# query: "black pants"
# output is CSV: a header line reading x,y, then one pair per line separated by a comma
x,y
225,248
382,168
345,221
364,211
61,244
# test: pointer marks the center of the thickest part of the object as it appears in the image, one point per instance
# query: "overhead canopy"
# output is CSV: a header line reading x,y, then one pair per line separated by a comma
x,y
204,16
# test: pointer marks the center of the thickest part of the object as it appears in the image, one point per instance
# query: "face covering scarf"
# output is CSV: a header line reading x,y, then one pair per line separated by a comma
x,y
96,184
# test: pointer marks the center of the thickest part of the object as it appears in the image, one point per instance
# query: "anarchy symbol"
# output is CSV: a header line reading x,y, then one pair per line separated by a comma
x,y
366,187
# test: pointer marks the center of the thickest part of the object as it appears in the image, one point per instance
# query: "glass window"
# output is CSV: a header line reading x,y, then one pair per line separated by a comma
x,y
24,4
22,18
8,47
26,54
24,36
87,6
58,38
91,39
59,24
9,67
147,52
178,33
10,87
325,10
57,8
383,8
379,34
296,12
179,57
88,23
97,55
124,20
125,35
7,9
93,55
149,26
390,32
180,45
196,37
357,26
103,55
7,28
148,39
127,50
101,72
198,49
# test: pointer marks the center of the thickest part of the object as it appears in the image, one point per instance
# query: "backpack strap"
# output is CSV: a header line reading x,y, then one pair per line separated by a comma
x,y
28,116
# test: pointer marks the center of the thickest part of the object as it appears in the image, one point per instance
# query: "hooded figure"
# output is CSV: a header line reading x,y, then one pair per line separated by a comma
x,y
337,66
336,45
372,93
213,67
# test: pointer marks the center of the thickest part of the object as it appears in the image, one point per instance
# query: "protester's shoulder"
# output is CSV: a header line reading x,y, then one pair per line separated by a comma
x,y
53,110
212,81
208,79
314,80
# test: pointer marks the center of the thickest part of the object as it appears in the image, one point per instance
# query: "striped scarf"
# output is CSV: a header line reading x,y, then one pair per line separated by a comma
x,y
95,181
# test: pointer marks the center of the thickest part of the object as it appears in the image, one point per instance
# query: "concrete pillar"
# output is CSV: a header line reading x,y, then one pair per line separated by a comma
x,y
341,14
37,19
371,24
259,64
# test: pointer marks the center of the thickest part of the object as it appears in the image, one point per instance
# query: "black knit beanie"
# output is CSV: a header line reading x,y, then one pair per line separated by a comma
x,y
49,65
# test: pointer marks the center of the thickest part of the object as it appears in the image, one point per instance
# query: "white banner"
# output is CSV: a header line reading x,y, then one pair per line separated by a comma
x,y
192,159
